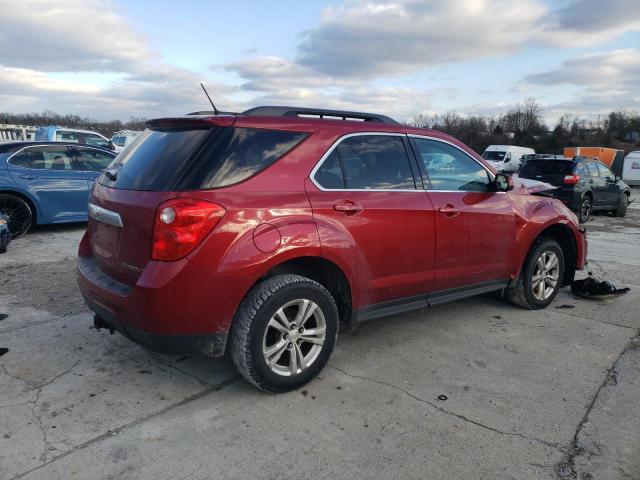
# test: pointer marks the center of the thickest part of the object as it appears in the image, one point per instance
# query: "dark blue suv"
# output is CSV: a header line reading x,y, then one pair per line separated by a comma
x,y
47,182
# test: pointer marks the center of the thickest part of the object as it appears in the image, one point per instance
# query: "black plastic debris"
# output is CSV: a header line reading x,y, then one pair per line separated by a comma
x,y
5,235
442,398
591,287
3,316
3,351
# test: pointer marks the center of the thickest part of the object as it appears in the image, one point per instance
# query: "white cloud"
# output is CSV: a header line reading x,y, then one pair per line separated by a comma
x,y
68,36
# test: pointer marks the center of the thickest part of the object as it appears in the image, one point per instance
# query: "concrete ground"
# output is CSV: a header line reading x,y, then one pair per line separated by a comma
x,y
475,389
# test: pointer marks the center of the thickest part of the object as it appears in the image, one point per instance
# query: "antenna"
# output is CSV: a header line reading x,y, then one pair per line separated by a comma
x,y
215,110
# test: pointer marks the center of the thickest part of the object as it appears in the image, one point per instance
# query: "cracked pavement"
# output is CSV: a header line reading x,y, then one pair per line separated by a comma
x,y
550,394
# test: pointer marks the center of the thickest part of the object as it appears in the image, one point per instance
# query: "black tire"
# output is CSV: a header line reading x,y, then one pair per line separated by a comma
x,y
250,325
621,211
19,212
585,209
522,294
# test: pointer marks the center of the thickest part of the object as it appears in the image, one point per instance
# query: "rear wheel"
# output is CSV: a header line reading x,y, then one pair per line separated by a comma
x,y
541,276
284,332
18,212
585,209
621,211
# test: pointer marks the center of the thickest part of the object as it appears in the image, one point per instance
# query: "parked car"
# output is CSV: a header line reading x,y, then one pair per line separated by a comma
x,y
71,135
122,139
584,184
44,182
262,232
506,158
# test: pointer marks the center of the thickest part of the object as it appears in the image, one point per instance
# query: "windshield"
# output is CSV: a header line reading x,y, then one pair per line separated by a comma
x,y
494,155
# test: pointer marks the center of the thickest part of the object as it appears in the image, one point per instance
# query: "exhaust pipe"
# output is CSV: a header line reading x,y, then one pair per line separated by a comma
x,y
99,323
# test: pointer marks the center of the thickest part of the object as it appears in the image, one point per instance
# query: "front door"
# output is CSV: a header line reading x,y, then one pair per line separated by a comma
x,y
610,187
373,216
55,179
475,227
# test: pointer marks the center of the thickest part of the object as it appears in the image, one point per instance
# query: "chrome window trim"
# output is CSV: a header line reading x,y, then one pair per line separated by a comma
x,y
428,137
335,145
80,145
105,216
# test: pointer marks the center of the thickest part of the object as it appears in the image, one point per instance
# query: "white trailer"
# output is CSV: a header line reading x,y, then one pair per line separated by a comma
x,y
16,133
631,168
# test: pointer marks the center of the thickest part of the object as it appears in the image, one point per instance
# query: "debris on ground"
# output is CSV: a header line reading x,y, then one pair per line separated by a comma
x,y
591,287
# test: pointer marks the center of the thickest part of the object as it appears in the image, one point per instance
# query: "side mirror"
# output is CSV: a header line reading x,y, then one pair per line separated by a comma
x,y
111,146
502,183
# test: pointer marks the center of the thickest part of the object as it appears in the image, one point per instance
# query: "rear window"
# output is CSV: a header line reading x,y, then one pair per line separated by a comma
x,y
200,158
546,167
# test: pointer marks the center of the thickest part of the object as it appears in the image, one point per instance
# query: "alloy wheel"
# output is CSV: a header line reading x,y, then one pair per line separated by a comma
x,y
294,337
585,210
545,275
18,213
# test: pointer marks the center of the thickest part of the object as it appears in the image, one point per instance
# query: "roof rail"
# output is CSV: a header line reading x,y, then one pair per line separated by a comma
x,y
282,111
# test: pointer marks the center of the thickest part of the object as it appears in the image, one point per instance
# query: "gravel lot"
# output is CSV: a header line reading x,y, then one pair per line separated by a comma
x,y
547,394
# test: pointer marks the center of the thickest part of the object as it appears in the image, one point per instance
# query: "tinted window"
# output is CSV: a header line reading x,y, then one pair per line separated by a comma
x,y
119,140
98,141
330,175
549,171
375,162
46,158
593,170
449,168
234,154
605,172
93,160
198,158
494,156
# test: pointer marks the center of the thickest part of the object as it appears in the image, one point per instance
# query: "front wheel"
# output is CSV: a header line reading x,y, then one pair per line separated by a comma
x,y
284,332
18,212
541,276
621,211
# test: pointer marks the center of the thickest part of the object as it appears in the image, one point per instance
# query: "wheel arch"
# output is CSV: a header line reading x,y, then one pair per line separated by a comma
x,y
32,204
562,234
323,271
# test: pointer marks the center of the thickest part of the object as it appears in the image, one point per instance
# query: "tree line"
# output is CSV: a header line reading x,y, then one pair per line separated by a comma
x,y
106,128
521,125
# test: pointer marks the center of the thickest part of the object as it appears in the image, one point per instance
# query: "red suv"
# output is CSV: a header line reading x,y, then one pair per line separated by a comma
x,y
265,231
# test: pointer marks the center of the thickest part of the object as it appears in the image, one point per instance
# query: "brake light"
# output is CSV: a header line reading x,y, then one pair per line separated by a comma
x,y
571,179
180,225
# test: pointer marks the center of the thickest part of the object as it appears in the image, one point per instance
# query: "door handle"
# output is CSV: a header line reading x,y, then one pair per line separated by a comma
x,y
449,210
348,207
28,177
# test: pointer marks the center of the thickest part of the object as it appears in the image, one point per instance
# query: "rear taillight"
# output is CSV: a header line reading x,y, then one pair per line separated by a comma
x,y
571,179
180,225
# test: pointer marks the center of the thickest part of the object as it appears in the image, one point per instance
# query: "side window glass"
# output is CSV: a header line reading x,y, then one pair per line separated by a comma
x,y
65,136
329,175
605,172
593,170
375,162
22,159
581,170
92,160
96,140
449,168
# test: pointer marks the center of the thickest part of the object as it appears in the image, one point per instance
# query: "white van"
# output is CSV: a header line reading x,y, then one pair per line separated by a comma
x,y
506,158
631,168
123,138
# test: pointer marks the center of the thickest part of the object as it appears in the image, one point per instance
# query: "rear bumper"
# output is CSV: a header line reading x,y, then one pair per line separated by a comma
x,y
173,307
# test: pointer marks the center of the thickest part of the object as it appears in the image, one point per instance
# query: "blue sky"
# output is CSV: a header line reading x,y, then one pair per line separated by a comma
x,y
116,59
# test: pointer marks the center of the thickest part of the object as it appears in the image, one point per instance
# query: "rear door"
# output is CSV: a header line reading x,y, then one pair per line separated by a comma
x,y
596,185
370,212
475,228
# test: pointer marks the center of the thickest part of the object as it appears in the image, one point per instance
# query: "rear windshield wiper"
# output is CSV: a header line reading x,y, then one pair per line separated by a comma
x,y
112,172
